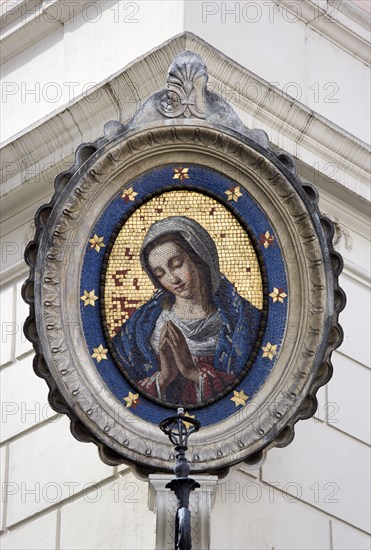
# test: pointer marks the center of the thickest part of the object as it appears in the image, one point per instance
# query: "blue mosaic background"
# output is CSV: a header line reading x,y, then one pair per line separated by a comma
x,y
255,219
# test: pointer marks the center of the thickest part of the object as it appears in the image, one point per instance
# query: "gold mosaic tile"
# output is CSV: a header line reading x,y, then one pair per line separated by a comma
x,y
127,285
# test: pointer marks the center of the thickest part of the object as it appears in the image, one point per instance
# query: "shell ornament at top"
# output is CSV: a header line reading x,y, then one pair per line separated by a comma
x,y
183,264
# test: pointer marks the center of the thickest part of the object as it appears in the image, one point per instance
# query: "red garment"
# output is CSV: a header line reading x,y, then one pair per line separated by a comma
x,y
186,392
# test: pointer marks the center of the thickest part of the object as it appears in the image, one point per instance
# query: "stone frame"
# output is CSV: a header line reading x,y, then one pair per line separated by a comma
x,y
152,139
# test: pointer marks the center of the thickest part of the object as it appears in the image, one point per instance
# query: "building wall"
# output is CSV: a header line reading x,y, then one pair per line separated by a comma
x,y
67,72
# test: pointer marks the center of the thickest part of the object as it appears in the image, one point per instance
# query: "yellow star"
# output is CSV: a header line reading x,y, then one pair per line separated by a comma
x,y
270,350
99,353
180,173
266,239
129,194
188,424
96,243
239,398
89,298
131,400
278,295
233,193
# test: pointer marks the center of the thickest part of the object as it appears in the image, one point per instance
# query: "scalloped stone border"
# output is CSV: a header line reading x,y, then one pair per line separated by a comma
x,y
251,437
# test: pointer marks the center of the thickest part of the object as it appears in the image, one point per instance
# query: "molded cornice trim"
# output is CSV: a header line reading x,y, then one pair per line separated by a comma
x,y
341,22
29,157
31,20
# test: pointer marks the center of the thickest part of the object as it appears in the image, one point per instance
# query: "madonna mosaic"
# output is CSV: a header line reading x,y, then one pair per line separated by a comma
x,y
184,295
190,340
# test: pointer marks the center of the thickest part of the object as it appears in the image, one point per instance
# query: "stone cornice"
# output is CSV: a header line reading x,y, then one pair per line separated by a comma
x,y
11,11
31,20
343,23
357,14
28,157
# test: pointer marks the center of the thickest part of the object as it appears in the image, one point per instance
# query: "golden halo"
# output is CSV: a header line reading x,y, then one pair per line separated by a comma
x,y
127,286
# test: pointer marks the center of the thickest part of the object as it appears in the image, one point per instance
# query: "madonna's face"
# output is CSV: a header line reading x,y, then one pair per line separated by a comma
x,y
175,270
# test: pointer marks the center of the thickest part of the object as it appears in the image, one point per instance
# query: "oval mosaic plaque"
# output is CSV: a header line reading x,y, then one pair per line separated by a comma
x,y
183,264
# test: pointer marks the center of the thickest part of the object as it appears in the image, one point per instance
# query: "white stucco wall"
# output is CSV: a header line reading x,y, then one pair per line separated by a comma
x,y
56,493
272,40
76,55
